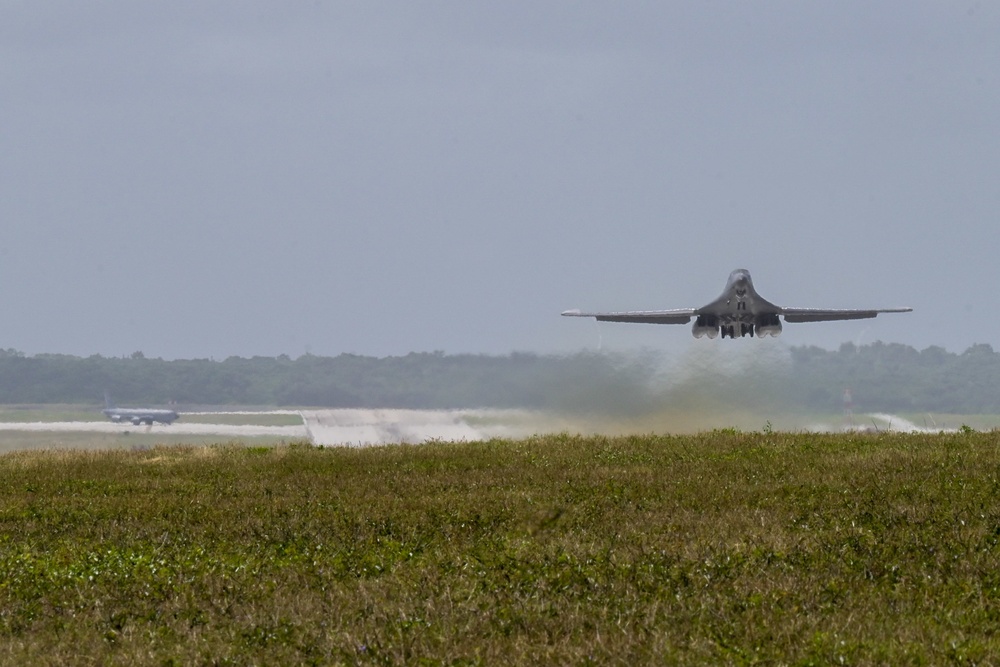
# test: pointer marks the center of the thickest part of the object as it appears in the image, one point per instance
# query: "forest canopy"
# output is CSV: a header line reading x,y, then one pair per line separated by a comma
x,y
879,377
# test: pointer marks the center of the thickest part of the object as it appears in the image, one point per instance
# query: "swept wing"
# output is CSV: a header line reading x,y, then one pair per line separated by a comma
x,y
820,315
675,316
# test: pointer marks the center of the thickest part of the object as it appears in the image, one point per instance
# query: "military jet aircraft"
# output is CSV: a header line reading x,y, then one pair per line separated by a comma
x,y
138,416
739,311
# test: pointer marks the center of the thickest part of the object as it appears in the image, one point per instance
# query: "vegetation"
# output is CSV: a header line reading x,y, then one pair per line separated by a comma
x,y
415,381
138,438
49,413
882,377
898,378
722,548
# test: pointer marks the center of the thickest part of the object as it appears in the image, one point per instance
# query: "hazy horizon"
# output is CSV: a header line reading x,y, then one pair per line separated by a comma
x,y
662,354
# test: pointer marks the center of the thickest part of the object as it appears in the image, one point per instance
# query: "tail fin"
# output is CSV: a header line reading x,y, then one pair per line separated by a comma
x,y
108,403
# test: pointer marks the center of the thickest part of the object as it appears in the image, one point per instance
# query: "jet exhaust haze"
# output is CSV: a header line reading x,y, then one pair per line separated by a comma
x,y
751,388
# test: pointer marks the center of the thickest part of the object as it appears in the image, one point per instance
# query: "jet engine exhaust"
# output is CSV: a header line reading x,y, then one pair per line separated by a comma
x,y
705,325
768,325
762,325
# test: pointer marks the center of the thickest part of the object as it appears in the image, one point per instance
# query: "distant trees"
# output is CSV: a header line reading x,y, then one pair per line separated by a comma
x,y
881,376
892,377
417,380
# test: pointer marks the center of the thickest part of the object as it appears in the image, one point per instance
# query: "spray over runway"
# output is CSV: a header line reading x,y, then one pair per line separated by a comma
x,y
359,428
388,426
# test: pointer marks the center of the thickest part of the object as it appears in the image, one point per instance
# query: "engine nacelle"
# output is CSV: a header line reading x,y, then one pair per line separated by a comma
x,y
701,332
705,325
768,325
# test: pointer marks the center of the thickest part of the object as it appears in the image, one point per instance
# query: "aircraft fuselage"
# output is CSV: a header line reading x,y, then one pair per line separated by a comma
x,y
739,311
139,416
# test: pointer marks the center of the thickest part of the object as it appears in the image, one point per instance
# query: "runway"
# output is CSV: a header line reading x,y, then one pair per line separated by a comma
x,y
346,427
364,427
177,428
388,426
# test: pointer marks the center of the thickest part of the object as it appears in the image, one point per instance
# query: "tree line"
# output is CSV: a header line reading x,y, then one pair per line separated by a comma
x,y
880,376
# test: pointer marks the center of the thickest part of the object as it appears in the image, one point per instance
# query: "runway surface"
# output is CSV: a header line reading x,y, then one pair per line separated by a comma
x,y
358,428
177,428
328,427
373,427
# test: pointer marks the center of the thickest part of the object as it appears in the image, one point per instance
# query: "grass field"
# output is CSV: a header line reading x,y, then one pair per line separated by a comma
x,y
129,438
719,548
51,413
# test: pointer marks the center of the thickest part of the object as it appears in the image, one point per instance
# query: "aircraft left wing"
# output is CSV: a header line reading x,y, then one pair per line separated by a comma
x,y
820,315
676,316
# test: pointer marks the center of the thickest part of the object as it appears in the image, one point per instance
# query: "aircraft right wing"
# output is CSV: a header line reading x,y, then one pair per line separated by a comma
x,y
676,316
820,315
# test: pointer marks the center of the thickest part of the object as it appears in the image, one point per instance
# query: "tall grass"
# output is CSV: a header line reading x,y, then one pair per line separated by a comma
x,y
721,548
130,438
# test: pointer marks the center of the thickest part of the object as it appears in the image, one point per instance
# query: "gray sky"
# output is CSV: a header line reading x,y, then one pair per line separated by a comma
x,y
205,179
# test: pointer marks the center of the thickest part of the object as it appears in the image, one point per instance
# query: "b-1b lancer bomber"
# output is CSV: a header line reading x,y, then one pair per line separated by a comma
x,y
739,311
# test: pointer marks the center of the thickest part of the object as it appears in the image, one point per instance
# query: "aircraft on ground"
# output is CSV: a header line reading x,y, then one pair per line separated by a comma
x,y
739,311
138,416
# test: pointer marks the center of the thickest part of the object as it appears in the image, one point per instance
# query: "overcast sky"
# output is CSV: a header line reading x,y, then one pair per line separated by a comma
x,y
206,179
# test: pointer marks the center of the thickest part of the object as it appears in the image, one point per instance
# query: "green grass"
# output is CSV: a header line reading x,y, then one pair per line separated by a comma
x,y
50,413
719,548
128,438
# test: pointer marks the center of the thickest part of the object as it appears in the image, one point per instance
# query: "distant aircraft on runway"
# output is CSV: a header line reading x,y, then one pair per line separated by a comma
x,y
137,416
739,311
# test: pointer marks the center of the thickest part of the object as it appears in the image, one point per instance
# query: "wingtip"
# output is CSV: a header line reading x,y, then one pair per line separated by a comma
x,y
575,312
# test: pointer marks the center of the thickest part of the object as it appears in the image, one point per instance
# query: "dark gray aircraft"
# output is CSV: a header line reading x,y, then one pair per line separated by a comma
x,y
138,416
739,311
